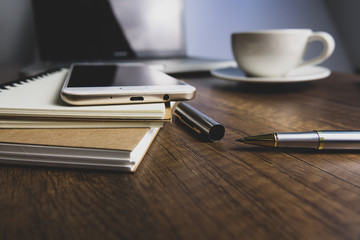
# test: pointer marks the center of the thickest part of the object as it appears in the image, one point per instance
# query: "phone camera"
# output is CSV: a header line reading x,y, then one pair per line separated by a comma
x,y
166,97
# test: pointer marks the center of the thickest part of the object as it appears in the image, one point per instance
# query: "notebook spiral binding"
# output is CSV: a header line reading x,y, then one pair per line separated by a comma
x,y
5,86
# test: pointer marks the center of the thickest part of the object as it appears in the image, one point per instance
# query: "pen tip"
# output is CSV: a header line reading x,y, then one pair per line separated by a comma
x,y
240,139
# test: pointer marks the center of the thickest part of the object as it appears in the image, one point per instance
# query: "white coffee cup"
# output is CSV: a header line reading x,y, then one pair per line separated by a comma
x,y
274,53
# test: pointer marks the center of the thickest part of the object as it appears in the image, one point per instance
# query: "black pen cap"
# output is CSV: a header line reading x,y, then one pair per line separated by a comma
x,y
200,124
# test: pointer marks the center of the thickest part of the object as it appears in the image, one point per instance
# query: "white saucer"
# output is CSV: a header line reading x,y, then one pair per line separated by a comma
x,y
302,74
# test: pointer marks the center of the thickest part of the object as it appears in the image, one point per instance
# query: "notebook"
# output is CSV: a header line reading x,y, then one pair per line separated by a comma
x,y
109,149
36,103
146,31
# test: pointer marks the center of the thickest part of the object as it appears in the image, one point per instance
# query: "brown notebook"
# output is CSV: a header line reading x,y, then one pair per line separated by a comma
x,y
115,149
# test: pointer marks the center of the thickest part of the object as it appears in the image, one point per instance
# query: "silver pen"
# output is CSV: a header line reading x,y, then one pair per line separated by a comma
x,y
315,139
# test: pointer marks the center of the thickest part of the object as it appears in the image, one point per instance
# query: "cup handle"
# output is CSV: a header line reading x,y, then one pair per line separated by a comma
x,y
329,46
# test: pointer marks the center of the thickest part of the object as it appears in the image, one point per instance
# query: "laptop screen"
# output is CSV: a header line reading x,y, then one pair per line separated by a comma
x,y
88,30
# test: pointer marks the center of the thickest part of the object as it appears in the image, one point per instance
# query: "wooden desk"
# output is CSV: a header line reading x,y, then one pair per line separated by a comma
x,y
188,189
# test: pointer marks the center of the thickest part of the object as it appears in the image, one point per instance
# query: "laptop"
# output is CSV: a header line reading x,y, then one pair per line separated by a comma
x,y
116,31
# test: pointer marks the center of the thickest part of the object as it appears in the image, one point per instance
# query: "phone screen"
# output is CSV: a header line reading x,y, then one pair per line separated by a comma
x,y
117,76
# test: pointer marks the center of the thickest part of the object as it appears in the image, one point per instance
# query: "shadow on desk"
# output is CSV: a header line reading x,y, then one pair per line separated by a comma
x,y
261,88
357,84
256,149
63,170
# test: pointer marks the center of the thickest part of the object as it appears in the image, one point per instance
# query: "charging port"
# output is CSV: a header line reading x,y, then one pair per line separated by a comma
x,y
166,97
136,99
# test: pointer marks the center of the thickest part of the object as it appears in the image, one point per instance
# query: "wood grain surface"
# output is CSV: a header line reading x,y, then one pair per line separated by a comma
x,y
186,188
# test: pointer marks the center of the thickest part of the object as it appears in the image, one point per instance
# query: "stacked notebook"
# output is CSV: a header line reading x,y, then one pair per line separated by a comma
x,y
36,103
37,128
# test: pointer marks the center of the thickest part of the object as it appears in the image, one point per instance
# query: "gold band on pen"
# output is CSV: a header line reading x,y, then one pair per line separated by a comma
x,y
276,140
321,140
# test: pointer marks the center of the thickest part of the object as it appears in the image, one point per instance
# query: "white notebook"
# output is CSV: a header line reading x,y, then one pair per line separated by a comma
x,y
32,102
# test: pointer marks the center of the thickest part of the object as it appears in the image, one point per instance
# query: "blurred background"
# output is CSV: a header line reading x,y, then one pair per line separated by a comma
x,y
209,24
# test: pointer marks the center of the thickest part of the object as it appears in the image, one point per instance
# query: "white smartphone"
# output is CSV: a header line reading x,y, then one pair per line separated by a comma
x,y
100,84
